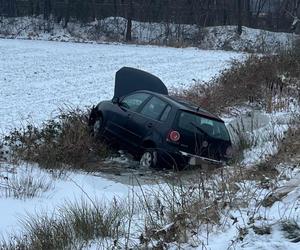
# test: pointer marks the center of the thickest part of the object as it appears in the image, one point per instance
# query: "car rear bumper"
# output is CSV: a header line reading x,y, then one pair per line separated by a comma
x,y
196,160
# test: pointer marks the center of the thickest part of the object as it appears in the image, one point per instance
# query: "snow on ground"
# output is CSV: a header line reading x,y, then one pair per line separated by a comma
x,y
69,188
37,77
256,217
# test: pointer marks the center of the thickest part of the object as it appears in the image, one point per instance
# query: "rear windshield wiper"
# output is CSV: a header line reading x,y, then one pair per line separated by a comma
x,y
200,129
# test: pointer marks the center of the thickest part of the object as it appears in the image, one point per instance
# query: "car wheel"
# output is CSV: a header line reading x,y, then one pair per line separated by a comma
x,y
149,159
97,128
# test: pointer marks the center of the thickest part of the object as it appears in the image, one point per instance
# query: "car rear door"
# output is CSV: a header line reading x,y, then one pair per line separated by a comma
x,y
147,122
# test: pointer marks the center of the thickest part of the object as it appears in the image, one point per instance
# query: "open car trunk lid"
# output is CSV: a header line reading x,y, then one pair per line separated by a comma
x,y
130,79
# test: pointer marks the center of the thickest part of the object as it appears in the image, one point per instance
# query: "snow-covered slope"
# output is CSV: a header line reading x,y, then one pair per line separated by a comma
x,y
114,29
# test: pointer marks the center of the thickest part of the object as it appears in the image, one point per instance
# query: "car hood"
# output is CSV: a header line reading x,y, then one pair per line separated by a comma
x,y
130,79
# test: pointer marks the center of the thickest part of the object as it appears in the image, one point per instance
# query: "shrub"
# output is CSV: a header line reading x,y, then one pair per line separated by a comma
x,y
57,142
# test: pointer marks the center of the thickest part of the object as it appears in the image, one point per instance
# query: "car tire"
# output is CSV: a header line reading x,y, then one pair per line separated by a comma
x,y
98,127
149,159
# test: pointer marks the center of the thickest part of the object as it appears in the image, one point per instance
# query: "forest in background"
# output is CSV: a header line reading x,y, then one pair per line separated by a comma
x,y
274,15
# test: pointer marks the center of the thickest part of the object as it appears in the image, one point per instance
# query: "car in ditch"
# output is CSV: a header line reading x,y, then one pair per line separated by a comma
x,y
158,129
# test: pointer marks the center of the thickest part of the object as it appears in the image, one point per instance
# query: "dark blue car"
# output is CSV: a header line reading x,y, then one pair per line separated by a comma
x,y
156,128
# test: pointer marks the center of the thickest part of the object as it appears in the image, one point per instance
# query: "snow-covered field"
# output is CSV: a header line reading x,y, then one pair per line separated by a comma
x,y
38,77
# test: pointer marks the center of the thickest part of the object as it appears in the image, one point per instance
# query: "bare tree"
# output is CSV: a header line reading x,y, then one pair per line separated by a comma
x,y
129,19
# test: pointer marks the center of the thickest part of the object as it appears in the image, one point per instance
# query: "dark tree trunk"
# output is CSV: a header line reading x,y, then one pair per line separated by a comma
x,y
115,8
67,12
31,8
128,30
47,9
12,8
248,12
93,9
225,15
239,16
129,20
37,9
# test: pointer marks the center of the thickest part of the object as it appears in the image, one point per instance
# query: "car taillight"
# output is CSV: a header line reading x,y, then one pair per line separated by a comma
x,y
174,136
229,152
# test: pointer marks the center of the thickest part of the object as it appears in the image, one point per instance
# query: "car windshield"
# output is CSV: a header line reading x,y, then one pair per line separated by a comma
x,y
196,123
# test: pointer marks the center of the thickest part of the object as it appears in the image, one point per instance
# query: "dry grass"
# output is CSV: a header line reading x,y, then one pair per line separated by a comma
x,y
24,186
71,227
186,209
257,80
57,143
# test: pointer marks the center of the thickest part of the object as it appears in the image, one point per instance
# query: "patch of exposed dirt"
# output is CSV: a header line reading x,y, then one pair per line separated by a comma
x,y
122,168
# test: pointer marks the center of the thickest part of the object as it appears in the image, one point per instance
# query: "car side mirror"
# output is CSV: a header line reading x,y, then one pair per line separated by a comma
x,y
116,100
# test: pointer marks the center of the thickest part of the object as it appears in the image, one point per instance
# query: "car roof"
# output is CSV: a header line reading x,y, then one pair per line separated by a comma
x,y
182,105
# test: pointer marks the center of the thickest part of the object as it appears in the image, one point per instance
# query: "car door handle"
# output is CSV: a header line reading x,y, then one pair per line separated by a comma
x,y
150,125
129,116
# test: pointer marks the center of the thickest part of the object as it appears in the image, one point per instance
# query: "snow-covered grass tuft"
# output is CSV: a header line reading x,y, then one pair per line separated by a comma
x,y
71,226
24,183
291,230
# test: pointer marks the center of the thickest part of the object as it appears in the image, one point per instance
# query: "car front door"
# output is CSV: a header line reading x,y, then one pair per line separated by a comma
x,y
123,112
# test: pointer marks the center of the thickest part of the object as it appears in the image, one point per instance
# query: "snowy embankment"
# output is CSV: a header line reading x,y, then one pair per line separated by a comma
x,y
113,29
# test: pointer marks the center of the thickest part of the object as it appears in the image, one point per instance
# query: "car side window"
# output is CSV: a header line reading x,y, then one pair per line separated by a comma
x,y
166,113
134,101
154,108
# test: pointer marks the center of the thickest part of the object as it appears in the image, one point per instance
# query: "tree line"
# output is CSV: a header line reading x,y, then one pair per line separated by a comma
x,y
276,15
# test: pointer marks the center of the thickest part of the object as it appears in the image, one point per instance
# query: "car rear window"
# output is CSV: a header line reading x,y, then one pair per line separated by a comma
x,y
166,113
198,124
